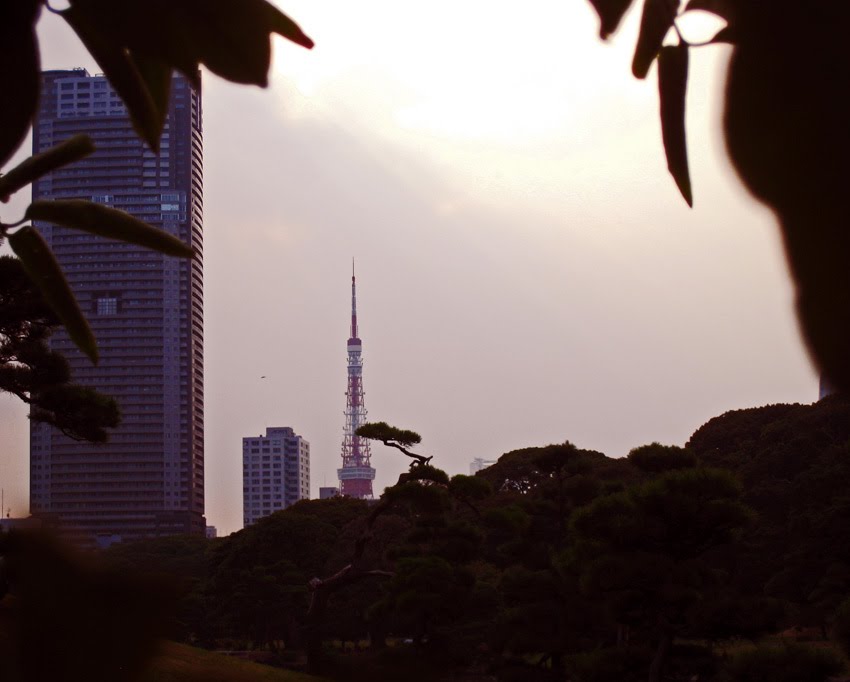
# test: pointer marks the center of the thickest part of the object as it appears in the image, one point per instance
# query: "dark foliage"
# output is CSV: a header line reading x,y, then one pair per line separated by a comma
x,y
37,375
782,663
841,626
656,458
67,617
553,562
137,44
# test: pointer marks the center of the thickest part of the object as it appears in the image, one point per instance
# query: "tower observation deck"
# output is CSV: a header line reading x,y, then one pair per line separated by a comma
x,y
356,474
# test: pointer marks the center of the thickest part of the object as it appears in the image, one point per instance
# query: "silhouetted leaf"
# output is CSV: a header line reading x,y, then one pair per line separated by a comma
x,y
107,222
784,82
156,76
160,30
234,38
672,90
138,43
655,22
727,34
31,169
119,68
610,14
284,26
44,271
21,74
231,37
724,9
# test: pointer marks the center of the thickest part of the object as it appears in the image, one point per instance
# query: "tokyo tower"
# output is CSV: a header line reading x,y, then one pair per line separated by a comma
x,y
356,474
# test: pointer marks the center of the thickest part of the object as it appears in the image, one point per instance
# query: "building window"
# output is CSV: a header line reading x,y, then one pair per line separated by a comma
x,y
107,305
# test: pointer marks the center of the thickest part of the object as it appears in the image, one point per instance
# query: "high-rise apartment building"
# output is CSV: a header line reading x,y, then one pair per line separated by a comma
x,y
146,311
275,472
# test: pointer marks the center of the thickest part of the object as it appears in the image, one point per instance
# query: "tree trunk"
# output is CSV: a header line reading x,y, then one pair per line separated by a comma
x,y
293,634
313,632
315,659
377,637
660,658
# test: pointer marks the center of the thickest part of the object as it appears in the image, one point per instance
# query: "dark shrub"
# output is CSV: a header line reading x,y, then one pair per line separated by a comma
x,y
841,627
656,458
782,663
604,665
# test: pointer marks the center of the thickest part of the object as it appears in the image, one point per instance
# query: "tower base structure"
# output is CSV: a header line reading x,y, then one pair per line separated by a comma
x,y
356,482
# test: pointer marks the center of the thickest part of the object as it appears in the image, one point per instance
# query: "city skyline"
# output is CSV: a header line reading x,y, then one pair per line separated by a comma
x,y
531,271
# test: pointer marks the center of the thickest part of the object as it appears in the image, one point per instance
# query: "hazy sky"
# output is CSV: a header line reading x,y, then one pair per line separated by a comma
x,y
527,271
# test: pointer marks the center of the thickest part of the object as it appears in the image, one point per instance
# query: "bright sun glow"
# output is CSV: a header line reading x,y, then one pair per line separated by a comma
x,y
467,70
510,101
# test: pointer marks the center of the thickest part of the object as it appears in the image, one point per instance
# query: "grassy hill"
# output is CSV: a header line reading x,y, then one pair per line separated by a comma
x,y
181,663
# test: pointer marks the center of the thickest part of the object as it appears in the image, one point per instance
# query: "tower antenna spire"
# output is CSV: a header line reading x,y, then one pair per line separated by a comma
x,y
356,474
353,303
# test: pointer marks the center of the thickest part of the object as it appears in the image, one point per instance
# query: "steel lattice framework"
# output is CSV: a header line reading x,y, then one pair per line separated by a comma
x,y
356,474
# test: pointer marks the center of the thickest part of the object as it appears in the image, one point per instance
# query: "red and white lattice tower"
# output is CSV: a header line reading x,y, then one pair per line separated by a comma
x,y
356,474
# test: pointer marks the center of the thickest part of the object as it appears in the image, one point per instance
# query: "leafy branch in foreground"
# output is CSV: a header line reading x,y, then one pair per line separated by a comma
x,y
657,19
34,253
786,134
37,375
138,44
28,171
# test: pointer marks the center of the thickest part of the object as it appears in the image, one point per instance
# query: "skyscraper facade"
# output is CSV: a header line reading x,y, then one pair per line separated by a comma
x,y
275,472
146,311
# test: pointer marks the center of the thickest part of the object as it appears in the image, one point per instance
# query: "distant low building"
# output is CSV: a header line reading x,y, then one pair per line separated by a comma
x,y
327,492
104,541
275,472
478,464
212,532
7,524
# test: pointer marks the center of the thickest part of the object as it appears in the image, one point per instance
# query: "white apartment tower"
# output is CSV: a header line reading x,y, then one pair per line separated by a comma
x,y
275,472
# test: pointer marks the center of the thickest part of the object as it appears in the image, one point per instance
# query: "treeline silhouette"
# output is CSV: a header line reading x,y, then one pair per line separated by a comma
x,y
556,563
